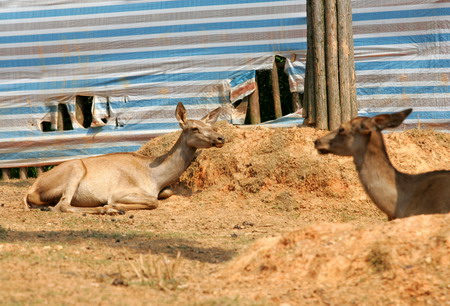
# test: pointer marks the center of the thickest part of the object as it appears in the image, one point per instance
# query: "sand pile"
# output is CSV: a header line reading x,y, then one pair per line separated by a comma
x,y
405,261
401,262
254,159
259,159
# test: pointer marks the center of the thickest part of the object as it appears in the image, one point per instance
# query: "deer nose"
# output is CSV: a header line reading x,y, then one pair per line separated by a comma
x,y
316,142
221,139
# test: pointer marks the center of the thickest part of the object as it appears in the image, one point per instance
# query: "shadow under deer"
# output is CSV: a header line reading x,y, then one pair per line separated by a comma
x,y
397,194
112,183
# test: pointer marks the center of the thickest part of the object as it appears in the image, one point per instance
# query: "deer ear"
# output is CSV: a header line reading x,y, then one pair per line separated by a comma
x,y
391,120
212,117
366,126
180,114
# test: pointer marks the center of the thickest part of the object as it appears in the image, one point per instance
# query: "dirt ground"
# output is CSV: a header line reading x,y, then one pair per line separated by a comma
x,y
264,220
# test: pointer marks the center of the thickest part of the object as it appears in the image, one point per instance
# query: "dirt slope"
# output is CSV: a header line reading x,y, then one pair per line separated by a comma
x,y
263,220
402,262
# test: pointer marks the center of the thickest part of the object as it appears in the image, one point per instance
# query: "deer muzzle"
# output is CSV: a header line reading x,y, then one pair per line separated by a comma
x,y
321,146
220,141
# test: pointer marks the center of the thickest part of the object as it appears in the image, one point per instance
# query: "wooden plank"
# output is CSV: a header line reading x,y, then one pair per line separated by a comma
x,y
6,174
332,73
39,171
344,50
276,90
320,90
309,108
253,105
351,62
296,102
23,173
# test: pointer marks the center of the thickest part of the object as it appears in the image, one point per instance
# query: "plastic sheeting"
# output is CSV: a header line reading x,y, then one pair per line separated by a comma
x,y
139,58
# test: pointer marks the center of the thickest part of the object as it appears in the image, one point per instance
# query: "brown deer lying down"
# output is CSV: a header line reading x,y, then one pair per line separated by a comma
x,y
123,181
397,194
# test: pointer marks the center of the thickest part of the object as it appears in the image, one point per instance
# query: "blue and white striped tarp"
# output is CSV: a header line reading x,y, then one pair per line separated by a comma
x,y
139,58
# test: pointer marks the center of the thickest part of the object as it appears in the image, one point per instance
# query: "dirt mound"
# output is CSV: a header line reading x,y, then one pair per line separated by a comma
x,y
264,220
256,159
282,163
361,261
404,261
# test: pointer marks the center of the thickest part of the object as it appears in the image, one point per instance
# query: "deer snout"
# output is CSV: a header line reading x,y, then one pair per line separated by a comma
x,y
220,141
321,147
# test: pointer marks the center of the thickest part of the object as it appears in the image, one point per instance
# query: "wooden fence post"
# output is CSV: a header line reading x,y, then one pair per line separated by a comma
x,y
253,104
39,171
276,90
344,50
320,90
296,102
309,108
351,61
6,174
23,173
330,89
331,54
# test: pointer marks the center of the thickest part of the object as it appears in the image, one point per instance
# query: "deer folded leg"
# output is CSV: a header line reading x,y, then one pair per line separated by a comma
x,y
133,201
75,173
165,193
100,210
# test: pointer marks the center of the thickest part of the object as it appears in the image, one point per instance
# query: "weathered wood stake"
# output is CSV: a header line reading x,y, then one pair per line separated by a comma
x,y
296,101
344,50
6,174
23,173
330,89
276,90
320,90
253,105
351,61
40,171
309,108
331,54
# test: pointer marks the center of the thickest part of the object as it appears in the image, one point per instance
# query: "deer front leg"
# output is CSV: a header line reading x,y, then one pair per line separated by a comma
x,y
74,174
133,201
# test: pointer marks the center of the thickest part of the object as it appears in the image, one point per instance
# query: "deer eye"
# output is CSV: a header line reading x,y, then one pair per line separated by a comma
x,y
341,130
195,130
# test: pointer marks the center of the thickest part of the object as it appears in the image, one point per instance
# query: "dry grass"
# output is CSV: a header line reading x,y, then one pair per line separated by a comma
x,y
158,271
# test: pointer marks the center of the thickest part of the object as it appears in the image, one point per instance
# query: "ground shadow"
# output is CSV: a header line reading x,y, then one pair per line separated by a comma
x,y
141,243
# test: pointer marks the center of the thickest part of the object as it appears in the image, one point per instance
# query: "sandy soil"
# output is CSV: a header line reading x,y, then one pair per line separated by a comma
x,y
264,220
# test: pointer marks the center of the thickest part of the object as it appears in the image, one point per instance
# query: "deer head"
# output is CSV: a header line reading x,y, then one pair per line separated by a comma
x,y
355,134
200,133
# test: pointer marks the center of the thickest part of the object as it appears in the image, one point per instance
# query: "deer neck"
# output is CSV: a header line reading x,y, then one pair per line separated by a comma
x,y
377,174
168,168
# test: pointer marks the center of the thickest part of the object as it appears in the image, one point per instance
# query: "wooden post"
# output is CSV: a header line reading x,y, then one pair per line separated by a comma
x,y
23,173
332,74
59,119
296,102
39,171
253,105
276,90
309,109
344,50
320,90
351,62
330,89
6,174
